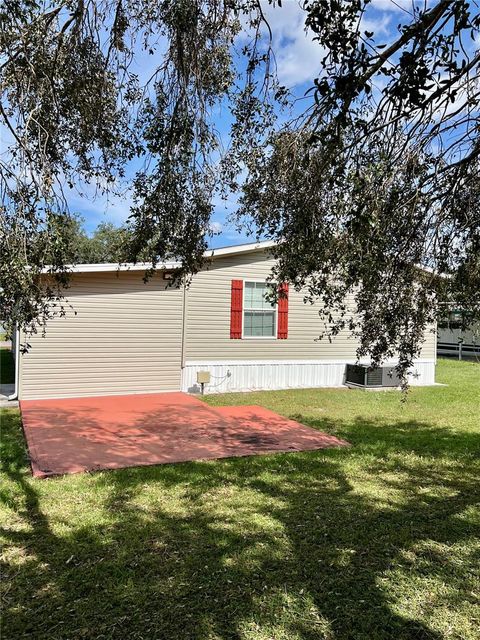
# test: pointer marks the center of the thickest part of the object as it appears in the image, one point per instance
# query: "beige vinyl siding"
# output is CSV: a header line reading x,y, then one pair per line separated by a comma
x,y
208,320
125,337
429,347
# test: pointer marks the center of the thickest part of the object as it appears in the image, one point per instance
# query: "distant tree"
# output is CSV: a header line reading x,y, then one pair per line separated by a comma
x,y
107,244
74,241
377,176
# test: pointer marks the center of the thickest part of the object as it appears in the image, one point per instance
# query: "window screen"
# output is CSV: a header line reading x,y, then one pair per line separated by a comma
x,y
258,313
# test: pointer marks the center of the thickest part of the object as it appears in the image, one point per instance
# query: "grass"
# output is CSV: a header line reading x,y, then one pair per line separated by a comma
x,y
7,367
375,542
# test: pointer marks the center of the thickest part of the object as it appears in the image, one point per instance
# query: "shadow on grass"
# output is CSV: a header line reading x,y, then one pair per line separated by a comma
x,y
280,546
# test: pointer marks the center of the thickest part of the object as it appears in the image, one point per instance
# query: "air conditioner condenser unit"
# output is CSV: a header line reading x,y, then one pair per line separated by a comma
x,y
367,377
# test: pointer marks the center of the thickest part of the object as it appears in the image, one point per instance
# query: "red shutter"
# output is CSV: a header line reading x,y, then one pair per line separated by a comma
x,y
236,309
282,329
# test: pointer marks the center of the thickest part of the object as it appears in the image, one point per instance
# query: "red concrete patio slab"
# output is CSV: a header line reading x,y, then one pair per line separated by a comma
x,y
112,432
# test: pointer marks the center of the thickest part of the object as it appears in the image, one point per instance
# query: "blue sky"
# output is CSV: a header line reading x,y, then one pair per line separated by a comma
x,y
298,62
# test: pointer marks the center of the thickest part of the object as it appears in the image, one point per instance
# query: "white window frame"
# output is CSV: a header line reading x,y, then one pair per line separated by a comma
x,y
275,309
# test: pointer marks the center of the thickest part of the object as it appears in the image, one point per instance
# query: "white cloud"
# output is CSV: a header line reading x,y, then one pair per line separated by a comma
x,y
96,208
402,6
378,24
215,227
297,56
463,102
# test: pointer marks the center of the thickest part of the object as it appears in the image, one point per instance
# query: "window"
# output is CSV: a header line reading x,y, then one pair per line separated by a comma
x,y
259,315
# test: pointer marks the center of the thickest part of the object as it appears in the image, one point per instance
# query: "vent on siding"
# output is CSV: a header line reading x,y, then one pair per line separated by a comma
x,y
365,376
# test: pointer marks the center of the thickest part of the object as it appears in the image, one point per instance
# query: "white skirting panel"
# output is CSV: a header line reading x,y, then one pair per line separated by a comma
x,y
282,374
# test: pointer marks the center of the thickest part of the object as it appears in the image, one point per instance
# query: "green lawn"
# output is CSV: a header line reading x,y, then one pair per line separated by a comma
x,y
376,542
7,367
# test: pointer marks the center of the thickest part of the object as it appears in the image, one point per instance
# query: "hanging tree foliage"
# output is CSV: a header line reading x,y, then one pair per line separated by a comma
x,y
371,191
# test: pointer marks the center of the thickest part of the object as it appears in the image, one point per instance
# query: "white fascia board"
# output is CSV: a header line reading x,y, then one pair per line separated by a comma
x,y
240,248
107,266
143,266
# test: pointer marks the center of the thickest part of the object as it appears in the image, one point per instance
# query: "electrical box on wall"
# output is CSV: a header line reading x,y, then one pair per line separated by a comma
x,y
203,377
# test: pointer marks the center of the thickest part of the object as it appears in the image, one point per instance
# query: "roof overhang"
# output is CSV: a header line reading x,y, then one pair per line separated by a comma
x,y
144,266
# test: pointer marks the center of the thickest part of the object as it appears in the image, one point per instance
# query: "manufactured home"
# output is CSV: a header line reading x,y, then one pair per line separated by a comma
x,y
455,340
121,335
